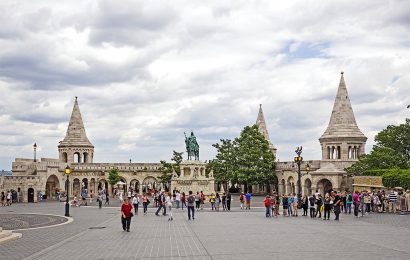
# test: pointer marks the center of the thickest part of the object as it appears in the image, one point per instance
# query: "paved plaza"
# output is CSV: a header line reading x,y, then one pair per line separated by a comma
x,y
97,234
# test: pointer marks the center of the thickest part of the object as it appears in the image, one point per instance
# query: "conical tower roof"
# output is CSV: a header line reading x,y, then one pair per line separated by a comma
x,y
76,135
342,121
261,124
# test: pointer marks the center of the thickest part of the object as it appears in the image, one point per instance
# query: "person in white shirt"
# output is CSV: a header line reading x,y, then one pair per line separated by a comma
x,y
135,202
168,203
177,198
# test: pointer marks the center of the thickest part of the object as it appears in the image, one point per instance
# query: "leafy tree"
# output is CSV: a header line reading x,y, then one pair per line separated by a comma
x,y
397,178
392,150
168,168
224,164
255,162
113,176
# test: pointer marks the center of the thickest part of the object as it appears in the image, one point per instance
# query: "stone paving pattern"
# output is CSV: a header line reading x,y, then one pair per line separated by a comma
x,y
25,221
213,235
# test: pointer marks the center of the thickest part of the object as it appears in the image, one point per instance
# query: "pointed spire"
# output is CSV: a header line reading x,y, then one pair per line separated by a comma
x,y
342,121
76,135
260,122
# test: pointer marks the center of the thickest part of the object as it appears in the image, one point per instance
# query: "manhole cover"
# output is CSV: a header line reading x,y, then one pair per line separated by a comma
x,y
25,221
96,227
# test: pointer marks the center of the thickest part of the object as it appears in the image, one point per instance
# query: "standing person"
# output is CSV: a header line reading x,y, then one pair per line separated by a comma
x,y
135,202
267,206
228,201
290,205
126,215
202,199
285,204
305,205
367,201
312,200
129,194
168,202
362,203
327,207
91,197
336,205
191,206
273,205
356,203
107,198
177,199
145,202
183,200
277,204
349,201
248,196
392,201
217,201
319,203
212,200
197,200
84,197
100,199
161,203
343,203
242,200
408,200
223,201
295,204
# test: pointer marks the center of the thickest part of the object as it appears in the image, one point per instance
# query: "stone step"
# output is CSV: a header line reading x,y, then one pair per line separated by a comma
x,y
7,235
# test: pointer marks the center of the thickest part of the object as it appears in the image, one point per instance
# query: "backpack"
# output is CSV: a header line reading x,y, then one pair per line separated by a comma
x,y
190,199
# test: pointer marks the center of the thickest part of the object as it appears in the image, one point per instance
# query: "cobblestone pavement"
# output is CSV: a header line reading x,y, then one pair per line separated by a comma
x,y
213,235
25,221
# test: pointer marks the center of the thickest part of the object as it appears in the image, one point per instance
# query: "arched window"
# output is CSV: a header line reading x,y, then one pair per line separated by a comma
x,y
77,157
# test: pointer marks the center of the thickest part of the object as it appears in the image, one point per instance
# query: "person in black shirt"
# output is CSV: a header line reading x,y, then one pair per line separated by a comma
x,y
228,200
319,203
312,201
336,204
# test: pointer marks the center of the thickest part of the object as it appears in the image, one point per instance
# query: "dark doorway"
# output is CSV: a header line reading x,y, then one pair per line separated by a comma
x,y
30,195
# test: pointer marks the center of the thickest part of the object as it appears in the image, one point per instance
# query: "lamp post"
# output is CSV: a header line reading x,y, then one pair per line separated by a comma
x,y
298,160
67,185
35,151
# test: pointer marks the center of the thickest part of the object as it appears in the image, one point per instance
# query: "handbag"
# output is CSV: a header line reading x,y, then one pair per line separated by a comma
x,y
131,214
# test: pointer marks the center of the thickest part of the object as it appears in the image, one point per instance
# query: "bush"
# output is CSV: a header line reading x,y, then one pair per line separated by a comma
x,y
396,178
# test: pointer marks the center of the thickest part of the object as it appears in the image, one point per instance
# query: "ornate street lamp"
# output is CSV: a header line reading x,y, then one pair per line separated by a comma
x,y
298,160
67,185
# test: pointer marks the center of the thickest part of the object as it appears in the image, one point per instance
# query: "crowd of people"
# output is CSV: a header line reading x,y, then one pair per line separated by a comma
x,y
7,198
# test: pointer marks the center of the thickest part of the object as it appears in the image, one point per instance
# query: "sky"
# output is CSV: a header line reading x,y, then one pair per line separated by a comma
x,y
145,72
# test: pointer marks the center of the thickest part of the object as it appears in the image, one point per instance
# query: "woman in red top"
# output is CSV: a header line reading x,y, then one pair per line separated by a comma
x,y
126,209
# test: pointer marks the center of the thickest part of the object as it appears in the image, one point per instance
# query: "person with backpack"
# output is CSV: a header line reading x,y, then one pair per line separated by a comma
x,y
267,206
349,201
191,205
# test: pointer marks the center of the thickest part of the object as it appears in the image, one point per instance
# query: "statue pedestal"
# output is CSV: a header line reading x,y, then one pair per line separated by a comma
x,y
192,177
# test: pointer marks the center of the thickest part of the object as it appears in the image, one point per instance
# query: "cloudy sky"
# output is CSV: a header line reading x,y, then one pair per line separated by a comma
x,y
146,71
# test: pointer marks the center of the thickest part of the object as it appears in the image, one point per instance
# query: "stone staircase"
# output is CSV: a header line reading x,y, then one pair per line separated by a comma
x,y
7,235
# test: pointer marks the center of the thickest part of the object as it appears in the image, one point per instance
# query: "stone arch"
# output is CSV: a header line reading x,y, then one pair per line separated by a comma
x,y
123,187
64,157
92,185
86,157
84,184
76,187
103,185
149,183
282,186
52,186
324,186
307,187
135,184
30,195
77,157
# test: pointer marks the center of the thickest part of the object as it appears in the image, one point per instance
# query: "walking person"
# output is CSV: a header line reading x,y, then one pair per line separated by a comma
x,y
168,202
161,204
217,201
191,206
197,200
183,200
223,201
126,215
248,196
177,199
327,207
228,201
242,200
145,202
135,202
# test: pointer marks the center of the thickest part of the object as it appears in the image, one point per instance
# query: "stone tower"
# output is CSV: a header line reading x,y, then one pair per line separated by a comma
x,y
75,147
260,122
342,140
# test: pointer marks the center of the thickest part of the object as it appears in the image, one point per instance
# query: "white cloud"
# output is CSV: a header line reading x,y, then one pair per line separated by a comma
x,y
146,71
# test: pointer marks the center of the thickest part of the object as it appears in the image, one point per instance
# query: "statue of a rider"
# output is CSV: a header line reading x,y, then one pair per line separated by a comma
x,y
192,146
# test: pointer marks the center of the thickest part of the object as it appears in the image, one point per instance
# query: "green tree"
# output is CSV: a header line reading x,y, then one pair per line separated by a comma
x,y
168,168
255,163
392,150
224,164
113,176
